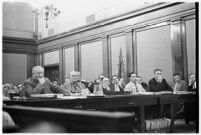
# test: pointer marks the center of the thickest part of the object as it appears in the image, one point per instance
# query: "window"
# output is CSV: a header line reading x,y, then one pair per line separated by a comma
x,y
118,55
69,60
154,51
51,58
92,61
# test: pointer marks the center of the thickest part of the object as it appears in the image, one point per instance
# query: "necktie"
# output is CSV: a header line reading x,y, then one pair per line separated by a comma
x,y
175,87
77,88
136,87
194,85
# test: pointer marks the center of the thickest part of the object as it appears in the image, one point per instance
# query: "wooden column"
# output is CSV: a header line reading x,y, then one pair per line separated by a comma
x,y
184,51
105,53
61,64
39,59
31,62
129,52
134,55
176,42
77,58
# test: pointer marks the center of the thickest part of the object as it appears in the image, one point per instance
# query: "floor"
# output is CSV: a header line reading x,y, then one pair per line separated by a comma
x,y
181,127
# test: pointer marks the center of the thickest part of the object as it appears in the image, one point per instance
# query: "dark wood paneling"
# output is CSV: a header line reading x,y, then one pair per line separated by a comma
x,y
19,45
39,59
184,51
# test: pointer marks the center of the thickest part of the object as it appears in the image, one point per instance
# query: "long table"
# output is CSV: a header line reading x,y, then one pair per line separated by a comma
x,y
68,120
112,102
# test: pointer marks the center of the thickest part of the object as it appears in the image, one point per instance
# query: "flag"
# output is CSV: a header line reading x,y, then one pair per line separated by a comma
x,y
121,71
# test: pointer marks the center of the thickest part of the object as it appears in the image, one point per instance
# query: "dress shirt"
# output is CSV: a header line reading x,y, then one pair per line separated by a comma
x,y
134,87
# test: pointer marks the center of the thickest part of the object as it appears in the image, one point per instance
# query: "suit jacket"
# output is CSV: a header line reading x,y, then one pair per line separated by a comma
x,y
145,86
191,87
32,86
75,87
155,86
182,86
112,87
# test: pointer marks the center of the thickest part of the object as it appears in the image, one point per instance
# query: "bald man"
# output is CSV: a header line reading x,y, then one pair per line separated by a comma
x,y
38,84
74,85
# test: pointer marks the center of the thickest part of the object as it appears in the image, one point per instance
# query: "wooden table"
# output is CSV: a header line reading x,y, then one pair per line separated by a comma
x,y
112,101
28,119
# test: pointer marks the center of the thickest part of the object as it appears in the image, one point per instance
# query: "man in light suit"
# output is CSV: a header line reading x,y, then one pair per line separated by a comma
x,y
132,86
178,84
73,84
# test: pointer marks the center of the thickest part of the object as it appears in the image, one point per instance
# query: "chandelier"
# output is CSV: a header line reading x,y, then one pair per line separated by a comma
x,y
50,11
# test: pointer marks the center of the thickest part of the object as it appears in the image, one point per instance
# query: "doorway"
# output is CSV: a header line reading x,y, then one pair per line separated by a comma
x,y
52,72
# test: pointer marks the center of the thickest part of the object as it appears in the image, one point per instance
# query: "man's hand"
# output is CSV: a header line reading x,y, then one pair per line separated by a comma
x,y
41,80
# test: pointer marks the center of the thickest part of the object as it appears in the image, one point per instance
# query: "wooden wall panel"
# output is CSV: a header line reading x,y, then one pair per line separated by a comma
x,y
176,41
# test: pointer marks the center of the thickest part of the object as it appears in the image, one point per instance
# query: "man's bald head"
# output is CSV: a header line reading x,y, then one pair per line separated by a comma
x,y
37,72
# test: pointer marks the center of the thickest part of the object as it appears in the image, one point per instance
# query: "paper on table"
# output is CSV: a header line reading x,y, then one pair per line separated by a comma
x,y
71,97
45,95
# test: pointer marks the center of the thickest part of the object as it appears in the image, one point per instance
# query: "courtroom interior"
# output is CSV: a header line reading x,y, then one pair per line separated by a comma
x,y
100,66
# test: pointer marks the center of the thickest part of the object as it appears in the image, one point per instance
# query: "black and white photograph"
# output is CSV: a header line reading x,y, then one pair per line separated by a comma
x,y
100,66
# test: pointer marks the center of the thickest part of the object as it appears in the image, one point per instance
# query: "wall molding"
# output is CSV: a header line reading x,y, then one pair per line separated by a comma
x,y
115,27
19,45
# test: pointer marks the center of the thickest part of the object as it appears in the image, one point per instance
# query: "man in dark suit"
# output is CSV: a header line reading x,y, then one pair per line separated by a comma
x,y
114,86
158,83
178,84
38,84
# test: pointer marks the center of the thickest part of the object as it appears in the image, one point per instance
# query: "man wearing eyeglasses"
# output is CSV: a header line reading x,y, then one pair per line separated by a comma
x,y
38,84
158,83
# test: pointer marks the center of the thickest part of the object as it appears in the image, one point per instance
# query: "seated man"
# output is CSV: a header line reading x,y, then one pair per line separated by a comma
x,y
121,83
190,109
157,83
144,85
38,84
192,83
5,92
105,85
132,86
178,84
114,86
74,86
98,85
97,82
80,81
